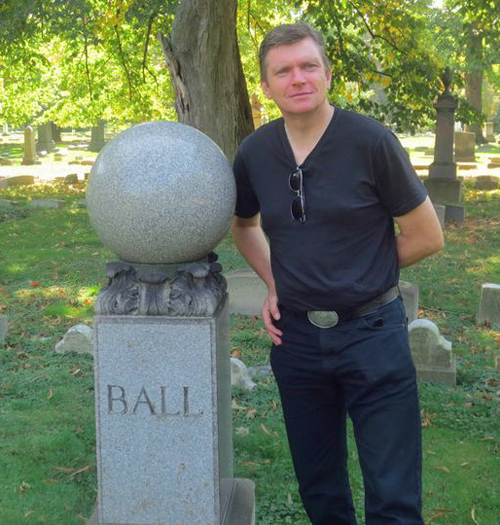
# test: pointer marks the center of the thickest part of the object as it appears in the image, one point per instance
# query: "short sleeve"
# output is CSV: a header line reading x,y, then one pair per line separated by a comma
x,y
247,205
399,188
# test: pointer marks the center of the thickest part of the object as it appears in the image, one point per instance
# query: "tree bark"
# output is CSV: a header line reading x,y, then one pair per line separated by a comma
x,y
474,82
203,58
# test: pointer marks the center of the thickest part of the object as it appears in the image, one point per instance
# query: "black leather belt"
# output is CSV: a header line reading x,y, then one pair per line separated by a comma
x,y
330,318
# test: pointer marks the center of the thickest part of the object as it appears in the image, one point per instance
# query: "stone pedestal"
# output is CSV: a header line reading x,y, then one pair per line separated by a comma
x,y
163,406
45,140
489,306
442,184
441,213
443,190
465,146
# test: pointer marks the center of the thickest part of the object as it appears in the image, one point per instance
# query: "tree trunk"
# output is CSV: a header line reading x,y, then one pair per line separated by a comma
x,y
474,81
204,62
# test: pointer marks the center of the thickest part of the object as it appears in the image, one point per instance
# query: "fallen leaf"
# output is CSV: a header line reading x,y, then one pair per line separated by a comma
x,y
468,404
444,469
289,499
264,429
26,514
76,372
464,464
439,513
473,514
79,471
430,452
488,438
23,487
250,463
65,469
235,406
34,284
50,395
251,413
236,353
49,480
242,431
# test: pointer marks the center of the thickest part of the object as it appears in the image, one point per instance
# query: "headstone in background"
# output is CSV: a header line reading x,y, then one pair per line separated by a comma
x,y
441,213
45,141
72,178
247,292
409,293
46,204
97,137
465,146
4,161
4,328
30,157
442,184
488,312
489,132
5,130
18,180
79,339
432,353
162,363
486,182
240,376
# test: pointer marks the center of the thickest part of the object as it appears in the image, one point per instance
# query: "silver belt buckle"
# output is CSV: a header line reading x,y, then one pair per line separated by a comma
x,y
323,319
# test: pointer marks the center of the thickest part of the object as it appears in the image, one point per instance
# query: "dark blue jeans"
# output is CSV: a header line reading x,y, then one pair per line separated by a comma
x,y
362,367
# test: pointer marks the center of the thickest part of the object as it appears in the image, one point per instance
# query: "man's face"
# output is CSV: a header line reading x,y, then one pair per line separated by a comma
x,y
297,79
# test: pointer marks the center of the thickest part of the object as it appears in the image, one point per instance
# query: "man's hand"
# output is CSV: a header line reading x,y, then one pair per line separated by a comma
x,y
270,313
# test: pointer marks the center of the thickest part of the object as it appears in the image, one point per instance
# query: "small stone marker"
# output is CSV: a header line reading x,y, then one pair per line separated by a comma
x,y
489,306
493,165
71,179
247,292
409,293
78,338
489,133
30,157
46,203
240,376
5,162
465,146
486,182
432,353
4,328
259,371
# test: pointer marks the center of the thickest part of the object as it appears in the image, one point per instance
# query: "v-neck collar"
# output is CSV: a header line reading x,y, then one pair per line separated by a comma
x,y
288,147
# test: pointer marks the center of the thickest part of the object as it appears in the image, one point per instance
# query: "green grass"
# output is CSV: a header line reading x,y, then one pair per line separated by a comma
x,y
51,268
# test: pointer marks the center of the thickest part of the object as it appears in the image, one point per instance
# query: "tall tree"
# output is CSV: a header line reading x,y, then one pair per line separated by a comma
x,y
203,58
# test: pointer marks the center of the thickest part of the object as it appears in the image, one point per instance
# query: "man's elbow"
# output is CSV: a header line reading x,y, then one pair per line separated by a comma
x,y
436,243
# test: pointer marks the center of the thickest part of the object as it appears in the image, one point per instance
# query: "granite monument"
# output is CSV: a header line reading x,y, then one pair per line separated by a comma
x,y
161,196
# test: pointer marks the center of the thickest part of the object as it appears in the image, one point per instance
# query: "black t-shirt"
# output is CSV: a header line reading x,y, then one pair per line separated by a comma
x,y
356,179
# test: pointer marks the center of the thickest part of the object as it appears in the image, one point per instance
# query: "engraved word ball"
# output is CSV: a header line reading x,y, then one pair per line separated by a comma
x,y
160,193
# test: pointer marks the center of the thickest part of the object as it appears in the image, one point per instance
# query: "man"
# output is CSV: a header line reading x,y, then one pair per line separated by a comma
x,y
327,184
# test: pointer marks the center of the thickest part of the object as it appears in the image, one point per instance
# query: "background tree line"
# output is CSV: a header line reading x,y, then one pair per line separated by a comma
x,y
75,62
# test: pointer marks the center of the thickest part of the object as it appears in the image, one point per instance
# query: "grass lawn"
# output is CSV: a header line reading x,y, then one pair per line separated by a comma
x,y
51,268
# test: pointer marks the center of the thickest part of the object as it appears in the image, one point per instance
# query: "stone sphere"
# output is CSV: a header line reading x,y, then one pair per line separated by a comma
x,y
160,193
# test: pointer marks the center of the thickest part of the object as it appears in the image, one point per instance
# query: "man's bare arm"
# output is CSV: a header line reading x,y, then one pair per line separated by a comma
x,y
420,234
252,244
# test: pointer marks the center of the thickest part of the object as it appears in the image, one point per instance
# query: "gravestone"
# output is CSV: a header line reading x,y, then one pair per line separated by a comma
x,y
161,196
441,213
29,147
409,293
489,132
5,130
18,180
45,140
442,184
97,137
46,204
432,353
4,328
465,146
240,376
79,339
489,306
486,182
